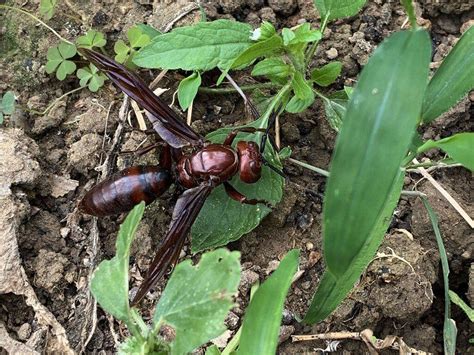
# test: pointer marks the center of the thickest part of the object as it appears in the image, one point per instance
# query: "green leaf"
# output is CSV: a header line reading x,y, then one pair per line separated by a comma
x,y
91,39
296,105
90,77
222,219
460,147
304,34
46,8
463,305
327,74
449,328
57,60
109,283
301,88
122,50
7,105
332,289
187,90
197,299
137,37
335,110
212,350
453,79
285,153
378,127
288,35
203,46
271,66
262,318
265,31
149,30
338,8
259,49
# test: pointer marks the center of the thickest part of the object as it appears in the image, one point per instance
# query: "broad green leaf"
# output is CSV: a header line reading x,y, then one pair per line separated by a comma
x,y
338,8
332,289
262,318
301,88
92,38
203,46
222,219
197,299
461,304
453,79
149,30
57,60
262,48
187,90
460,147
271,66
121,50
327,74
287,35
109,283
304,34
137,37
296,105
90,77
7,105
449,327
47,8
378,127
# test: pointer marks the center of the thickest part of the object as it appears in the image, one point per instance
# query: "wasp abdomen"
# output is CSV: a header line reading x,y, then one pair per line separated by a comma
x,y
125,189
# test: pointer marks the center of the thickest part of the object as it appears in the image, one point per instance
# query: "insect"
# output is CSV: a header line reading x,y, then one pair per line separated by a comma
x,y
198,171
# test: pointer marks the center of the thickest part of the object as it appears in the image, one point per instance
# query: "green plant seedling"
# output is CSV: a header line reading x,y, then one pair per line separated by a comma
x,y
461,304
137,39
187,90
47,8
7,104
90,77
91,39
58,60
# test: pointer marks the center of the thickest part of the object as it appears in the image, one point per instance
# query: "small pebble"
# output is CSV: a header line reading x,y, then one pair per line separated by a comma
x,y
24,331
309,246
285,332
332,53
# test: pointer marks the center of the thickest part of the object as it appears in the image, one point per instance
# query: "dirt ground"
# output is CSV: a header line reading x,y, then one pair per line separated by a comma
x,y
47,162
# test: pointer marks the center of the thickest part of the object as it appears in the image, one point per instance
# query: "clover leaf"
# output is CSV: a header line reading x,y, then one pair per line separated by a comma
x,y
91,39
57,60
7,104
90,77
47,8
138,37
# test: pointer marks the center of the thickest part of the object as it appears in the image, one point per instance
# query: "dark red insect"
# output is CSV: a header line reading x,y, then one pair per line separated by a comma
x,y
207,166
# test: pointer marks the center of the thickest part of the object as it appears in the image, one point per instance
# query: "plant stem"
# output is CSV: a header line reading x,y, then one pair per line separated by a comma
x,y
310,167
138,321
36,19
273,104
314,46
230,90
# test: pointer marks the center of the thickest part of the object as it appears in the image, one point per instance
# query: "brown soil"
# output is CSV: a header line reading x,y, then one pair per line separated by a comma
x,y
50,161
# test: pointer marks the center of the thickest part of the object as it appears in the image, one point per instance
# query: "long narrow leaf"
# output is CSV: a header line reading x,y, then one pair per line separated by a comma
x,y
453,79
378,128
449,329
263,316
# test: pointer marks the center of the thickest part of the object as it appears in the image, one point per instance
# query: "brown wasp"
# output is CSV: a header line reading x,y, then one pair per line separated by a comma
x,y
198,172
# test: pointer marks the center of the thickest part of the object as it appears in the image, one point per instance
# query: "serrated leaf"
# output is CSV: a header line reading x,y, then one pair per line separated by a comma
x,y
453,79
296,105
460,147
187,90
47,8
149,30
137,37
197,314
301,88
271,66
338,8
109,283
327,74
222,219
378,127
7,105
263,316
257,50
91,39
288,35
203,46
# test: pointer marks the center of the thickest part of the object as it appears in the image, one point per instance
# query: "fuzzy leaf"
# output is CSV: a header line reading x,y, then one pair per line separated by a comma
x,y
109,283
301,88
203,46
288,35
262,48
197,314
327,74
187,90
338,8
271,66
296,105
304,34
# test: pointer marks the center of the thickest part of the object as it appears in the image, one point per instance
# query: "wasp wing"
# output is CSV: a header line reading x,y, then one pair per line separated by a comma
x,y
184,214
165,121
